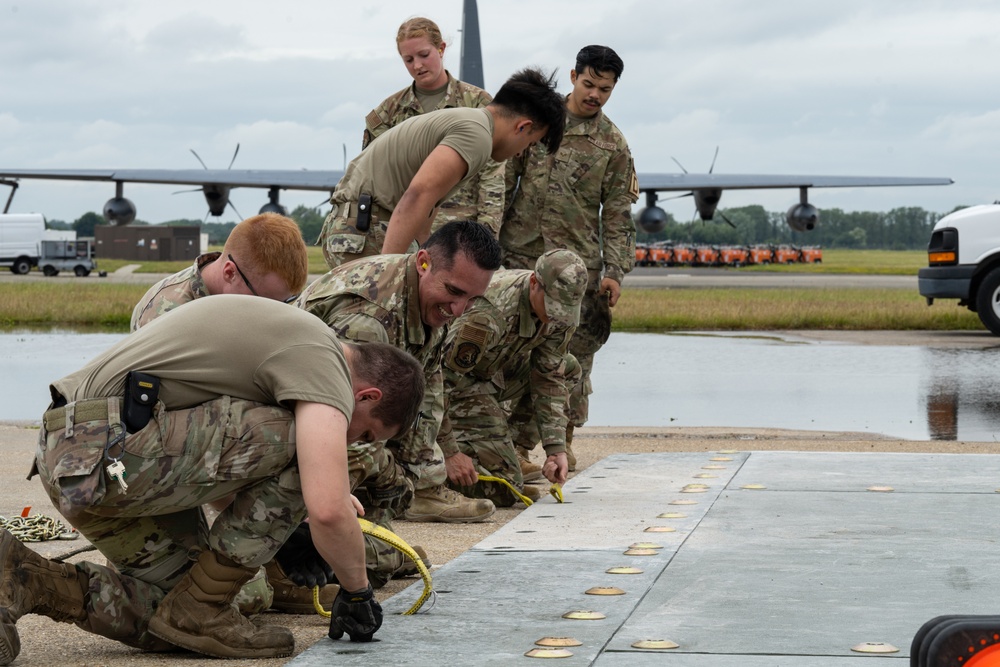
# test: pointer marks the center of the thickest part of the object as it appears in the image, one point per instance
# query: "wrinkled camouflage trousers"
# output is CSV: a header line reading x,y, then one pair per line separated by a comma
x,y
384,491
150,533
589,337
479,427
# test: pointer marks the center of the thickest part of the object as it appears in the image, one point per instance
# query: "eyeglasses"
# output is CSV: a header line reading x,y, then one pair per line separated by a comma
x,y
247,281
243,275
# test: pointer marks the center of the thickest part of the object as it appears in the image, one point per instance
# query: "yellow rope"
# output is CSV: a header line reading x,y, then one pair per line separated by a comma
x,y
555,489
500,480
399,544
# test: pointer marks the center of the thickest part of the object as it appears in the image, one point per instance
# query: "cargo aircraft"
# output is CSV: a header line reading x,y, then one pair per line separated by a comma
x,y
706,189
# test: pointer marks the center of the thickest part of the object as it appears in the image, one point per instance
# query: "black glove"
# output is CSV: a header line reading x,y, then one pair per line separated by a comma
x,y
301,562
357,614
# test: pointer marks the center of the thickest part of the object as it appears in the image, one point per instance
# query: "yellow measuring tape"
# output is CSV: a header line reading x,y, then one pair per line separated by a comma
x,y
555,489
399,544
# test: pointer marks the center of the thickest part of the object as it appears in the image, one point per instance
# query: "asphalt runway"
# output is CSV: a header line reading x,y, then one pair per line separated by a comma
x,y
642,277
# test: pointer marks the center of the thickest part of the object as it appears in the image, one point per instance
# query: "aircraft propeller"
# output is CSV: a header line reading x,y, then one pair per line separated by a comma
x,y
653,218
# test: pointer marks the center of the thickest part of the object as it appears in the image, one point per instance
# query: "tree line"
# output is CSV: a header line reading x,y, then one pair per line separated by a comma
x,y
899,229
906,228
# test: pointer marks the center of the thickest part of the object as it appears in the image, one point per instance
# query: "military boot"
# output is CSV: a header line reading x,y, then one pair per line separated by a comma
x,y
531,492
570,456
529,471
439,503
30,584
291,598
198,614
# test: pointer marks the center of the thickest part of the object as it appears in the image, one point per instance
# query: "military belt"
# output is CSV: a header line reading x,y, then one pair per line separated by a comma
x,y
83,411
349,210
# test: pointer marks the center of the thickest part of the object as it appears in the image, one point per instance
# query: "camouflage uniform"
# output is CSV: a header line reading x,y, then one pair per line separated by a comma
x,y
176,464
376,299
481,199
579,199
500,351
172,291
385,169
184,458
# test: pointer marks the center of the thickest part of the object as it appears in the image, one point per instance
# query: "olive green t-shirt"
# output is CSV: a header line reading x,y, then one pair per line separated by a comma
x,y
227,345
386,167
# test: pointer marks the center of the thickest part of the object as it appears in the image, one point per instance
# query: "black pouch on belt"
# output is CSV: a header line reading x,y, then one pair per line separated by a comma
x,y
141,391
364,220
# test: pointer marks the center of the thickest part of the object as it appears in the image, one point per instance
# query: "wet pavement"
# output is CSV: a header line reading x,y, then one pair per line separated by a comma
x,y
938,391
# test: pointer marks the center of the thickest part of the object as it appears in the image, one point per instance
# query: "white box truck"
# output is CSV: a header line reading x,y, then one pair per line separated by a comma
x,y
20,240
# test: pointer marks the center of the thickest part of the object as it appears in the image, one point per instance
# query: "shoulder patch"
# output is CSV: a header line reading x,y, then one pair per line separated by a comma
x,y
633,183
603,145
372,120
468,347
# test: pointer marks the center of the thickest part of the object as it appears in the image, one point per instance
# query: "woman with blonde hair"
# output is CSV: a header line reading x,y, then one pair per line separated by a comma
x,y
421,46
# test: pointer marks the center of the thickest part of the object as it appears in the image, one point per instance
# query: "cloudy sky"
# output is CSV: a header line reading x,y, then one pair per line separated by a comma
x,y
854,87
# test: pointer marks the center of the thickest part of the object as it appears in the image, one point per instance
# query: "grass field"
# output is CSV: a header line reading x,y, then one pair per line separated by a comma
x,y
91,303
881,262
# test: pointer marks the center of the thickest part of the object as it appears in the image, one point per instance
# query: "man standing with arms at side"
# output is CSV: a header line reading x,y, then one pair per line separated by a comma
x,y
578,198
389,194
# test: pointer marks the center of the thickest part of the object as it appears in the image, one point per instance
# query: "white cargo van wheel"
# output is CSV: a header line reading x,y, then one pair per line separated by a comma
x,y
988,301
21,266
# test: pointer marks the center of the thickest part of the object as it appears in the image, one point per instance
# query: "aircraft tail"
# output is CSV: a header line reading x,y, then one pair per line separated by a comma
x,y
471,68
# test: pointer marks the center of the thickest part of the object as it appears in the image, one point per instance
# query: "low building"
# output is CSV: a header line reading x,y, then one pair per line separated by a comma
x,y
148,243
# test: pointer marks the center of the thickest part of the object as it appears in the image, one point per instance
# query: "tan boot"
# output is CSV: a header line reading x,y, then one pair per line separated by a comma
x,y
30,584
198,614
440,503
291,598
409,568
570,456
531,492
529,471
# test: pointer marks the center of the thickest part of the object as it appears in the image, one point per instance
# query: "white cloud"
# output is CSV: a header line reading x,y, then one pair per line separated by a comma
x,y
898,87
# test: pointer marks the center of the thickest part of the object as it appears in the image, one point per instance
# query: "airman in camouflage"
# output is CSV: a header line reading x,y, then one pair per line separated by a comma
x,y
481,198
388,196
274,260
578,198
406,300
273,263
512,343
263,417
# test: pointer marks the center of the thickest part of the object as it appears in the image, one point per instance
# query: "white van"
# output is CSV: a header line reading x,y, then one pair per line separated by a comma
x,y
20,240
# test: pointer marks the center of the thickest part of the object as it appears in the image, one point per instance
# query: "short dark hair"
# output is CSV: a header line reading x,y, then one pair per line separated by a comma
x,y
600,59
472,238
531,94
400,377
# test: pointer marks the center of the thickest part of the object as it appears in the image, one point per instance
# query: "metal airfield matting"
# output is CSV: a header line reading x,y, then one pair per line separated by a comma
x,y
785,558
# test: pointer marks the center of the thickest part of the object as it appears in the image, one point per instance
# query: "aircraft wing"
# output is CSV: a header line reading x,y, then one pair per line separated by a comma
x,y
666,182
250,178
327,180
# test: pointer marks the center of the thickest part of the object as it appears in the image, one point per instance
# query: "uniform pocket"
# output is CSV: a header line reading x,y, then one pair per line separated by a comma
x,y
75,477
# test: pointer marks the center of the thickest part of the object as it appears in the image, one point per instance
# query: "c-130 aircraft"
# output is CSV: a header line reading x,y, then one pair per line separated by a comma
x,y
705,188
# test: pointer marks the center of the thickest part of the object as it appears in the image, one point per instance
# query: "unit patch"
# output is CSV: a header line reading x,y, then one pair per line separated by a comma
x,y
468,348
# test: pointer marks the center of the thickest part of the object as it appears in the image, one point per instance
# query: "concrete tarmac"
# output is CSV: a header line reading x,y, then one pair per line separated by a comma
x,y
641,277
45,642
